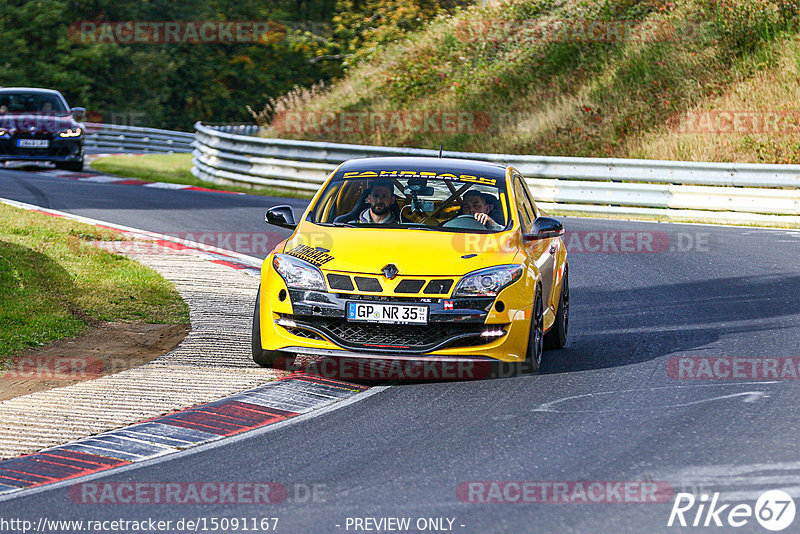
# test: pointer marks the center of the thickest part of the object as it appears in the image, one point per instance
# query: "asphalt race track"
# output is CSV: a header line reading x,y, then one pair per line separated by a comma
x,y
611,407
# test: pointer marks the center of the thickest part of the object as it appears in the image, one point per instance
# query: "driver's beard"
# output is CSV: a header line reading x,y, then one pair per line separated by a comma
x,y
380,210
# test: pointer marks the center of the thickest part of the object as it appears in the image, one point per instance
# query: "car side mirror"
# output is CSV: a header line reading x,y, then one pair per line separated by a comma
x,y
544,228
281,216
78,114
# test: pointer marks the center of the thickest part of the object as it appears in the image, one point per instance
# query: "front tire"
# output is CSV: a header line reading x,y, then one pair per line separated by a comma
x,y
533,355
264,358
557,336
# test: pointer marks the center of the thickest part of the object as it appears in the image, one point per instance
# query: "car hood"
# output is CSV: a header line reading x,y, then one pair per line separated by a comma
x,y
413,252
41,123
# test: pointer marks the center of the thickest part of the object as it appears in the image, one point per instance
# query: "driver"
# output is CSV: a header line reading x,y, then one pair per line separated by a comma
x,y
380,199
475,204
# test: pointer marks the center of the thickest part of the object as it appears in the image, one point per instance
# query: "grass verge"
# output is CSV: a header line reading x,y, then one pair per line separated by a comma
x,y
53,283
174,169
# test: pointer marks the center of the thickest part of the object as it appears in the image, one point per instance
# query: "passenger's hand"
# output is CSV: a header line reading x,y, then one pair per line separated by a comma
x,y
484,219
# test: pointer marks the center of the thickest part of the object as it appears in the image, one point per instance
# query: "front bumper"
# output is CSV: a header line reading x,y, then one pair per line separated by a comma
x,y
60,150
314,322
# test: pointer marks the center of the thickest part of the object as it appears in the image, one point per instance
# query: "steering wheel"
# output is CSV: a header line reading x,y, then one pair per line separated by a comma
x,y
406,217
466,222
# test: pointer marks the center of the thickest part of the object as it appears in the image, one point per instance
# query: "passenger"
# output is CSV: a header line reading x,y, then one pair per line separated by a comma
x,y
380,199
475,204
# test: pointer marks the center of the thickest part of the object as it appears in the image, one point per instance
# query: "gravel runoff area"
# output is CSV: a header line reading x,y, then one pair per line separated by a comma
x,y
212,361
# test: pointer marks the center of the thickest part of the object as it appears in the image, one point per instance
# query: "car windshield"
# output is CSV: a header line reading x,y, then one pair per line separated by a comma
x,y
31,102
449,202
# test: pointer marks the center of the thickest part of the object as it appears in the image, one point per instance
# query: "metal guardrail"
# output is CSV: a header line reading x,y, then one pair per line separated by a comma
x,y
721,192
239,129
136,139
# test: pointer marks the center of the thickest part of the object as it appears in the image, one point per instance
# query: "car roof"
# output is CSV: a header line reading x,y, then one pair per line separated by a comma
x,y
437,165
30,89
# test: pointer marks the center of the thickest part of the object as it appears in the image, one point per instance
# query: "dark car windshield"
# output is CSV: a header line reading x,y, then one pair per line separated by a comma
x,y
31,102
414,200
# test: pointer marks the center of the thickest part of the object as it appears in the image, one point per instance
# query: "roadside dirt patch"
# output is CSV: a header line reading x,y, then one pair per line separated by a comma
x,y
107,348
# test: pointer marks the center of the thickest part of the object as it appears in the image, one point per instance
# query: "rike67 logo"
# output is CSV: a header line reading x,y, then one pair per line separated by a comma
x,y
774,510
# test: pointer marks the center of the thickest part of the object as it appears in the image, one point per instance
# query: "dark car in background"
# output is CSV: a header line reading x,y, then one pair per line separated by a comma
x,y
37,125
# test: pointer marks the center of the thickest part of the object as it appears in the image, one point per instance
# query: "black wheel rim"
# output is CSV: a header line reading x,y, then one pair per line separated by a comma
x,y
538,329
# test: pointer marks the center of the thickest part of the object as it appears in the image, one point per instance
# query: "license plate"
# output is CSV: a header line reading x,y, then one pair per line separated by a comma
x,y
33,143
372,312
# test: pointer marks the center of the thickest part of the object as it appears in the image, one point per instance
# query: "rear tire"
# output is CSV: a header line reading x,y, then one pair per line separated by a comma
x,y
557,336
264,358
533,355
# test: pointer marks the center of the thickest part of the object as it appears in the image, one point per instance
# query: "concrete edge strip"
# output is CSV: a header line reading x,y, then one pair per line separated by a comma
x,y
175,432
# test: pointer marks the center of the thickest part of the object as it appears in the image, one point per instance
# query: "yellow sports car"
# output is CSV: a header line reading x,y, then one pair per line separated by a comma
x,y
415,258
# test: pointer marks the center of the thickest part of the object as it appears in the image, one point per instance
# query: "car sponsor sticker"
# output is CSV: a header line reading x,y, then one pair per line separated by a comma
x,y
314,255
420,174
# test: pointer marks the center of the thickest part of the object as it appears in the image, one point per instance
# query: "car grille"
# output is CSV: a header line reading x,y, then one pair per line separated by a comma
x,y
409,286
302,332
396,336
365,283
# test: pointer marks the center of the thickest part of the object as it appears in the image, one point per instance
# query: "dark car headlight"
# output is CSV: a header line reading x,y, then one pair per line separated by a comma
x,y
297,273
488,282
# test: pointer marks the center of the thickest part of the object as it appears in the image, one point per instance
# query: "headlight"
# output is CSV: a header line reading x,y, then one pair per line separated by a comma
x,y
488,282
297,273
3,132
70,132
